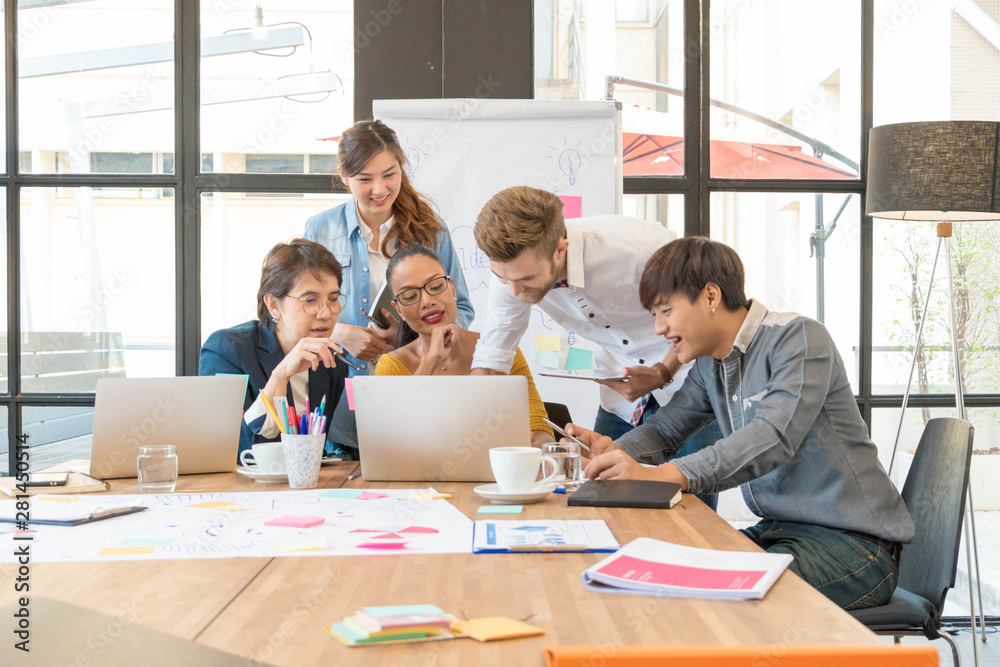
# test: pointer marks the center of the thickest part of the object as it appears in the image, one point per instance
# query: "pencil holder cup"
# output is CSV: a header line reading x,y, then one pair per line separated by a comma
x,y
303,455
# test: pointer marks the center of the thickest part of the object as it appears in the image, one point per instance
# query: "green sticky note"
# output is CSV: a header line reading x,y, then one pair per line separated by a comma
x,y
578,359
548,342
245,377
547,359
501,509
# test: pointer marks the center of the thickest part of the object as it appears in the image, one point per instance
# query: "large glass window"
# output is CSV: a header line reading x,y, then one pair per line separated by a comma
x,y
97,289
278,90
801,253
237,230
58,434
578,44
786,89
668,210
94,77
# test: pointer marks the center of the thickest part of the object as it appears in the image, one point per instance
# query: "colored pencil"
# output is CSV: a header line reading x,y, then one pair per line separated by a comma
x,y
274,415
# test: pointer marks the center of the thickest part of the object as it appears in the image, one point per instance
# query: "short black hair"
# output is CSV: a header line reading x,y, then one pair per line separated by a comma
x,y
686,265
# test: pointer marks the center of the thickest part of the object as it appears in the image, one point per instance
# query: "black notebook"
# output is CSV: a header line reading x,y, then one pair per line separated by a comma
x,y
626,493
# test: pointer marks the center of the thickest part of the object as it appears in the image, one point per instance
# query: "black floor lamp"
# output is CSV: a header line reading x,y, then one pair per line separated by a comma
x,y
946,172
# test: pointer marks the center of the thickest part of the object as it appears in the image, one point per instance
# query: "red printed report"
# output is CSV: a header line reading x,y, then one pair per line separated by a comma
x,y
653,567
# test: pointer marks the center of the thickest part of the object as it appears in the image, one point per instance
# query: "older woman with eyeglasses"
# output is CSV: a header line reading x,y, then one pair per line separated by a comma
x,y
429,340
287,351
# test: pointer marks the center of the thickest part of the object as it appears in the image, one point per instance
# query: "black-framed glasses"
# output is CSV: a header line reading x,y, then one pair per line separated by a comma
x,y
410,295
312,303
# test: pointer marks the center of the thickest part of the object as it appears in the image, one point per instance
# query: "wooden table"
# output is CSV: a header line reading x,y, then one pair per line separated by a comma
x,y
274,609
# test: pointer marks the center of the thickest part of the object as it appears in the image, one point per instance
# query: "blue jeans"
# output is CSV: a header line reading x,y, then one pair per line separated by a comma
x,y
613,426
853,572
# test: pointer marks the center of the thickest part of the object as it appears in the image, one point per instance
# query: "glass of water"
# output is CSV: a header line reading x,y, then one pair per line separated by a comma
x,y
567,456
157,465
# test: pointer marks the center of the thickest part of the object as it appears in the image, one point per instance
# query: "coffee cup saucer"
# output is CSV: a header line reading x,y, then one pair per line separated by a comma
x,y
493,493
266,477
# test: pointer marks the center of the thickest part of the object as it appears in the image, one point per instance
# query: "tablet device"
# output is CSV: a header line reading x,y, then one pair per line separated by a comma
x,y
584,375
382,300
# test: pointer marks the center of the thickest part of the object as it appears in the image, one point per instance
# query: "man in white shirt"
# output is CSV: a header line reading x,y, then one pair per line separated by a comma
x,y
584,274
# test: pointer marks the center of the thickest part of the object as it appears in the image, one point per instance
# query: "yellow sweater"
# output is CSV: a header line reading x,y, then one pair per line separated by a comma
x,y
390,365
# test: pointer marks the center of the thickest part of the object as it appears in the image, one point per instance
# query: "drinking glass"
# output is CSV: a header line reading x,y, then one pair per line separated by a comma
x,y
567,456
157,465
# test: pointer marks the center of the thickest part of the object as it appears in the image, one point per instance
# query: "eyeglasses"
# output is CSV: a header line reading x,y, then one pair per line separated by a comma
x,y
311,304
410,295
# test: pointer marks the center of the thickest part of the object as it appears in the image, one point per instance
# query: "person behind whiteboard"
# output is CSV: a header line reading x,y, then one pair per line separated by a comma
x,y
287,351
385,212
430,342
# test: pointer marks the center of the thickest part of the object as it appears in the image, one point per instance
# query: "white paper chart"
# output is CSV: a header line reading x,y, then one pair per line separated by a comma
x,y
315,522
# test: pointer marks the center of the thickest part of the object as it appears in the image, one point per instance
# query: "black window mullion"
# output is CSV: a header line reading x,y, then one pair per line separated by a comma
x,y
13,198
187,165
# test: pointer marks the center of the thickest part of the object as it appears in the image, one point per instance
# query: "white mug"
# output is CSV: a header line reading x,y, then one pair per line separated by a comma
x,y
515,468
267,458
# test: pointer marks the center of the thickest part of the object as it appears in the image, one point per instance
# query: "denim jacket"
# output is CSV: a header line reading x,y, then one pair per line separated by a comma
x,y
339,230
792,436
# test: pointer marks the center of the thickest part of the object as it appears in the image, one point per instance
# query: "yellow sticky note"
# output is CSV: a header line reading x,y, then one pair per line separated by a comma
x,y
550,342
496,627
125,551
302,546
428,495
56,499
214,505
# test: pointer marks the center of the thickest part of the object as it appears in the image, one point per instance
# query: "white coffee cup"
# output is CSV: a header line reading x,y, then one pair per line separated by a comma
x,y
515,468
266,458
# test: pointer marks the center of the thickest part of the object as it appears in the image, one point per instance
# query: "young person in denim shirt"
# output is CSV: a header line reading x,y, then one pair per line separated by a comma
x,y
384,213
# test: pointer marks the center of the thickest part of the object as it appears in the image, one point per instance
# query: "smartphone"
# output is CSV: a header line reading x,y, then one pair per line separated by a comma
x,y
47,479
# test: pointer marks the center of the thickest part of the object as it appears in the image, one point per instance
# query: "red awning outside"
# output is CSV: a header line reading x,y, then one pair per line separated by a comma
x,y
657,155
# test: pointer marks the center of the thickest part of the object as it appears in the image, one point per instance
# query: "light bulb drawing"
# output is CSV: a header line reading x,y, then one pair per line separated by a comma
x,y
570,159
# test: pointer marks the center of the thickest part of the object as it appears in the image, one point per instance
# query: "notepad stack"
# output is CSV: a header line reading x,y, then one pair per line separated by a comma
x,y
371,625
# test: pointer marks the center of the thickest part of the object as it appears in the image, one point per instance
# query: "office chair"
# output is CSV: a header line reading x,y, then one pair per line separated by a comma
x,y
558,414
934,493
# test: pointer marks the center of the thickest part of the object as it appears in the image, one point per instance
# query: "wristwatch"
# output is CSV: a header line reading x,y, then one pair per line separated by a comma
x,y
664,372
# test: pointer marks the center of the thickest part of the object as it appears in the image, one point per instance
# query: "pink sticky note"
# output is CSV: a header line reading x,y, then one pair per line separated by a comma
x,y
296,521
572,206
383,546
349,390
371,495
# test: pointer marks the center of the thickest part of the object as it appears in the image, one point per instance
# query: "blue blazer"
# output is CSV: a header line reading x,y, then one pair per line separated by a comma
x,y
252,349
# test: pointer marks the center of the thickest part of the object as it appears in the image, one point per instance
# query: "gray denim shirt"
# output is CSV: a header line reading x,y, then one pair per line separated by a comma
x,y
793,438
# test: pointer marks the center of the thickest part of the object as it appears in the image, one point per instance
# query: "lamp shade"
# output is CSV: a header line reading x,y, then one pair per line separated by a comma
x,y
944,170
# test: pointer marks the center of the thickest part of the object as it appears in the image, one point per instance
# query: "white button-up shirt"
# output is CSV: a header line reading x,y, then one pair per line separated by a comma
x,y
377,262
604,263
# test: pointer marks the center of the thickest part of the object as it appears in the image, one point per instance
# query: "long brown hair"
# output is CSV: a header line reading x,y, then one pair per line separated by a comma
x,y
413,218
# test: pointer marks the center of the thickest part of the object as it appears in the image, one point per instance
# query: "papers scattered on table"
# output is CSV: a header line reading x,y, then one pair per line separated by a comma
x,y
507,536
651,567
422,622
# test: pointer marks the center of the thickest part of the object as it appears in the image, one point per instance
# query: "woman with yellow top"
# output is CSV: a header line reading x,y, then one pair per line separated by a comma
x,y
429,341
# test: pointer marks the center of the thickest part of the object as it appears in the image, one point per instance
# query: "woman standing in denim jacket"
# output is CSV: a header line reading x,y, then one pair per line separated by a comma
x,y
385,212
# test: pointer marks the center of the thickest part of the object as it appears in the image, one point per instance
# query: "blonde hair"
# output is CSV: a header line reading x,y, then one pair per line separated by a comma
x,y
519,218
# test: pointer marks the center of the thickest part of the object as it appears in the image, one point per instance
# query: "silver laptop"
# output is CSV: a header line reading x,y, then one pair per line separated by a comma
x,y
437,428
199,415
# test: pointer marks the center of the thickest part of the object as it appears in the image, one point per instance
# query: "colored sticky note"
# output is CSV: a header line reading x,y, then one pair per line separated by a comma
x,y
55,499
548,342
296,521
302,546
572,206
144,542
429,495
501,509
383,546
403,610
496,627
349,494
547,359
578,359
213,505
349,391
371,495
125,551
